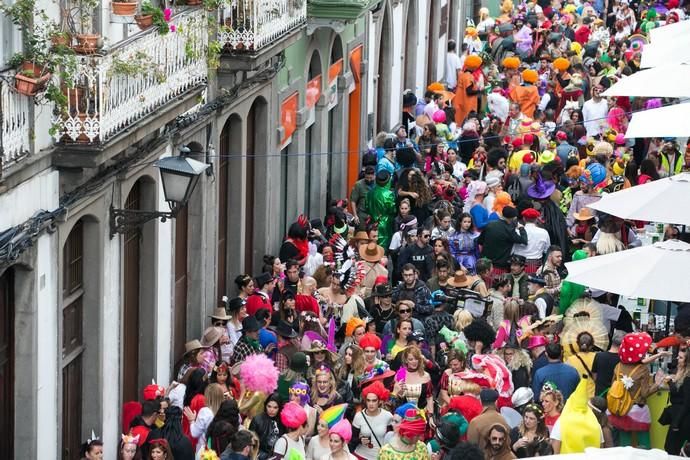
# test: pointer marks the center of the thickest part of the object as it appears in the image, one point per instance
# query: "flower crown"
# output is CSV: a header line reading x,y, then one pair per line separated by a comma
x,y
127,439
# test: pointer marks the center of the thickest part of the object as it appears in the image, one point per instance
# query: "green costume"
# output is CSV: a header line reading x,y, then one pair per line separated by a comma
x,y
570,292
381,208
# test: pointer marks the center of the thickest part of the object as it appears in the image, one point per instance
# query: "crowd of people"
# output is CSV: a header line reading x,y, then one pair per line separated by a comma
x,y
430,314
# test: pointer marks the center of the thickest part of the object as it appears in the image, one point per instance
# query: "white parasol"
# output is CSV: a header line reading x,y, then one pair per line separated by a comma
x,y
669,80
658,271
669,121
664,200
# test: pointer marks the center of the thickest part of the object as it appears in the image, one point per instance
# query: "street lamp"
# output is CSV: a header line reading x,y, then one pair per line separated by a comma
x,y
179,176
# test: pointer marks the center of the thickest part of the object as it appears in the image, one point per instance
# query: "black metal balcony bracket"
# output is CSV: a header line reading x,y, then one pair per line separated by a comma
x,y
126,220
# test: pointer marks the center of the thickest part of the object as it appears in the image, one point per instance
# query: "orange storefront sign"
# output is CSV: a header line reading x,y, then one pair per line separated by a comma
x,y
288,116
334,70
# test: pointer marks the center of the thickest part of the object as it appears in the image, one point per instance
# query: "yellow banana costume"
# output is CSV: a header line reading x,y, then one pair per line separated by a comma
x,y
579,425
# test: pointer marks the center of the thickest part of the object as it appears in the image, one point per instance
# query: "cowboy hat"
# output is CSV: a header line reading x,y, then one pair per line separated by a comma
x,y
584,214
361,235
372,252
192,345
459,280
220,314
319,347
211,336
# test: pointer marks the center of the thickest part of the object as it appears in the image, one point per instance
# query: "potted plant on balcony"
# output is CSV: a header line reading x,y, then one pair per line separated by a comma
x,y
124,7
87,41
145,19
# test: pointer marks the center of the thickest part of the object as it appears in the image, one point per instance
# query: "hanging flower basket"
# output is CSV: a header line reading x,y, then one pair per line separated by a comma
x,y
30,79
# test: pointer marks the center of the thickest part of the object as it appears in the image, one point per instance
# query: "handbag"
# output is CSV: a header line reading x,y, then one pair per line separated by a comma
x,y
666,416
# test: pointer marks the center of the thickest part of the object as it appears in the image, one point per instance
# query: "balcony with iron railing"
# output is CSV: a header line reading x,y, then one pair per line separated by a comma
x,y
249,26
15,125
112,91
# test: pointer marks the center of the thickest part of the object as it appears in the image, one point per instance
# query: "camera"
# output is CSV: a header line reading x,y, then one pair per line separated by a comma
x,y
463,298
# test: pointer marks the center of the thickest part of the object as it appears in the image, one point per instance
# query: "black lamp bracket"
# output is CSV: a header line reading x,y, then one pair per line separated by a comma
x,y
125,220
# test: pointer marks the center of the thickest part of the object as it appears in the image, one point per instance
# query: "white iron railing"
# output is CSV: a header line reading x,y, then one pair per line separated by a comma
x,y
249,25
134,79
16,124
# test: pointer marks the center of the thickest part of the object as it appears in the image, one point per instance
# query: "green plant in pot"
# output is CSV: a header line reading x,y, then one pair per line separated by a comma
x,y
87,41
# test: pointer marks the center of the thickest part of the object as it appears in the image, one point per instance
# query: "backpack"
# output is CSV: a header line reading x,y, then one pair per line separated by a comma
x,y
514,187
618,399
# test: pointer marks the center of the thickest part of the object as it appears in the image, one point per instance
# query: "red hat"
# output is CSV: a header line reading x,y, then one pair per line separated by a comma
x,y
528,158
370,340
377,389
634,346
561,136
530,213
517,142
506,139
529,138
153,391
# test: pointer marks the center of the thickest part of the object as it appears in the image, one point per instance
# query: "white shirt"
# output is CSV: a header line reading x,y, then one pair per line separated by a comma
x,y
380,426
538,242
594,116
556,432
453,64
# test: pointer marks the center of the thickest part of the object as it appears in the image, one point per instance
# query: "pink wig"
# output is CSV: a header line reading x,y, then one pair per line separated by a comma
x,y
342,429
293,416
259,374
617,120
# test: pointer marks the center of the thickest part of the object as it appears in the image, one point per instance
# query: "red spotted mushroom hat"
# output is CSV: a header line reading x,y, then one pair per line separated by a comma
x,y
634,347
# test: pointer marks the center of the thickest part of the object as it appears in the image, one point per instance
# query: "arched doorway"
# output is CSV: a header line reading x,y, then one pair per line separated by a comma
x,y
411,38
384,74
335,124
7,363
312,135
257,121
138,294
229,170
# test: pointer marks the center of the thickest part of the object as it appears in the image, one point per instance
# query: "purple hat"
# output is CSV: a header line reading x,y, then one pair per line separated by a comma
x,y
541,189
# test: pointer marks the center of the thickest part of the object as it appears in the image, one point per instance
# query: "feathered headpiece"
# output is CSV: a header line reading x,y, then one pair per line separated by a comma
x,y
303,221
351,275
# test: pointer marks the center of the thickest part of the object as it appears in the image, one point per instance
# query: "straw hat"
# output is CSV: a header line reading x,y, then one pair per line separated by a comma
x,y
460,280
220,314
211,336
192,345
372,252
584,214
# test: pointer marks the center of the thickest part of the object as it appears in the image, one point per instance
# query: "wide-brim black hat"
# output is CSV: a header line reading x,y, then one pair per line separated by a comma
x,y
284,329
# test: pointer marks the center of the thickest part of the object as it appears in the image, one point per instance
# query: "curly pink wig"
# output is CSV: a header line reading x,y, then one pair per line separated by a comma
x,y
259,374
293,416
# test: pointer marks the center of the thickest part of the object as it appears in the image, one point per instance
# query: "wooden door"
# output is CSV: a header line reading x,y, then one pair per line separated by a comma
x,y
7,364
180,316
222,246
252,132
130,329
72,340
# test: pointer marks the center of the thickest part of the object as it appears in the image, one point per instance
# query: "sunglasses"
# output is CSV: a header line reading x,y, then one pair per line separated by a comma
x,y
426,236
220,323
405,310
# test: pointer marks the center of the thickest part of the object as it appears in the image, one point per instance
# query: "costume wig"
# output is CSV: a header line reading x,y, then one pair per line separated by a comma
x,y
259,374
293,416
300,389
480,331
